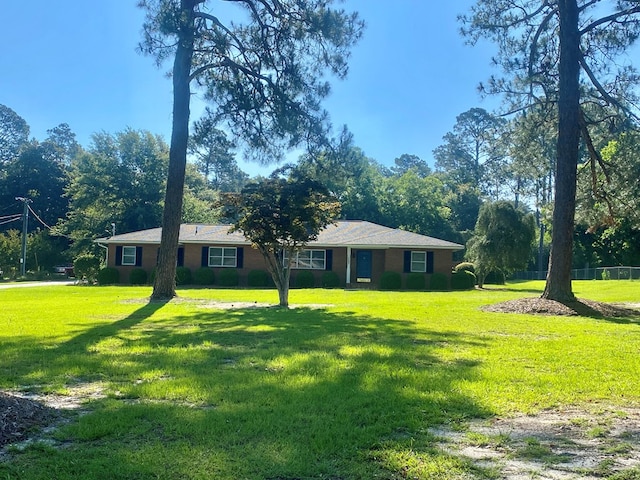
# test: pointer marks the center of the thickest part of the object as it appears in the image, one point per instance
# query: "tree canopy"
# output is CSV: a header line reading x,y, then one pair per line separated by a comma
x,y
14,132
561,53
118,180
279,217
264,73
502,240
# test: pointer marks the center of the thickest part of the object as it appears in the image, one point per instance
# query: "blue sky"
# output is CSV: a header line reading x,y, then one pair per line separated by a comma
x,y
75,61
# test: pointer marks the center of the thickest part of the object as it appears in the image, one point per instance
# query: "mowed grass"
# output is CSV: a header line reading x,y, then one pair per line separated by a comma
x,y
345,385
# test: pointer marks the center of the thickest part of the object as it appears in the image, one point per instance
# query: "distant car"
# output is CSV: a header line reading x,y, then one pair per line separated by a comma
x,y
64,270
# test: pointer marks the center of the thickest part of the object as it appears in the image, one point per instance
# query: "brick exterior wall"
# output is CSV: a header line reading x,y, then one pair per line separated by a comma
x,y
382,260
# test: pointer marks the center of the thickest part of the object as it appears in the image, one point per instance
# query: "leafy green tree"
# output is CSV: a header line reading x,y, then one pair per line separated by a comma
x,y
120,180
605,246
10,251
350,176
279,217
532,149
608,202
266,78
214,156
543,46
416,204
45,251
34,175
463,202
502,240
473,152
611,194
200,206
14,133
406,162
200,199
61,145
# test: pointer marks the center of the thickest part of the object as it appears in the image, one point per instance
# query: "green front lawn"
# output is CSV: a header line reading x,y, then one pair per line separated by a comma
x,y
343,386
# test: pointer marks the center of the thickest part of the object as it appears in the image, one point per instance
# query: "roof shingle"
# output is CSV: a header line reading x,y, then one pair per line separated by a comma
x,y
344,233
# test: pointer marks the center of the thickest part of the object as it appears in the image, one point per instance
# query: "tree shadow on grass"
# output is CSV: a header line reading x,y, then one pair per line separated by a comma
x,y
38,364
90,336
259,393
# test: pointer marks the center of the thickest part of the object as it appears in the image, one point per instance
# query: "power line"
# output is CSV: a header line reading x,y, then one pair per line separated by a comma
x,y
19,217
37,217
11,216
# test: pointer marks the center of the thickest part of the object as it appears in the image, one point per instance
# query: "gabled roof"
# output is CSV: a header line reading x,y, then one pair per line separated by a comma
x,y
344,233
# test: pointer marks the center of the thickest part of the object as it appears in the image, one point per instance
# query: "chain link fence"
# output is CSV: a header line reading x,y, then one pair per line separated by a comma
x,y
600,273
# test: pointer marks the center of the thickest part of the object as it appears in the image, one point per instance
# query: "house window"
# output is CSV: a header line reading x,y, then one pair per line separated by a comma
x,y
128,255
309,260
223,257
419,262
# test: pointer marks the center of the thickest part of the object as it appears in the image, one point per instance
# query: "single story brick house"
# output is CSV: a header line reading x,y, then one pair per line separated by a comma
x,y
357,251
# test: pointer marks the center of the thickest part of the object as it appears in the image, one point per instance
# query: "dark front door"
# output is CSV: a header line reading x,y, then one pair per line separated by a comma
x,y
363,265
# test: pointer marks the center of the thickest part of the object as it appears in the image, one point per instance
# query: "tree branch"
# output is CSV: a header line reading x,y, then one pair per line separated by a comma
x,y
608,19
600,88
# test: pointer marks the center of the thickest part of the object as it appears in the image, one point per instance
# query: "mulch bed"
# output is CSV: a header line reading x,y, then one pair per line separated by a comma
x,y
21,416
582,307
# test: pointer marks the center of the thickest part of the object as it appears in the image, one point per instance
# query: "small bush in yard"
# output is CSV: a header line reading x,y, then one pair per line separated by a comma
x,y
465,267
305,279
86,267
183,276
330,280
258,278
463,280
228,278
108,276
494,278
439,281
138,276
416,281
204,276
390,281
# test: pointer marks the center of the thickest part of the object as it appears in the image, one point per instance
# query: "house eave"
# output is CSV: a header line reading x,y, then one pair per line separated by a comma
x,y
364,246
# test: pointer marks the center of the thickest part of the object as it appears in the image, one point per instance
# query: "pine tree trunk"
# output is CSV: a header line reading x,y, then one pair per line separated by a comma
x,y
165,286
558,285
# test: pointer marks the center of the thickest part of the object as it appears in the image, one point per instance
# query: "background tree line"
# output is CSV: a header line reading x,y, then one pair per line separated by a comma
x,y
117,182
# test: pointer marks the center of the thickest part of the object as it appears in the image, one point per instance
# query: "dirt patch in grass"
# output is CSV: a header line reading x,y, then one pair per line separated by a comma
x,y
557,444
24,416
220,305
587,308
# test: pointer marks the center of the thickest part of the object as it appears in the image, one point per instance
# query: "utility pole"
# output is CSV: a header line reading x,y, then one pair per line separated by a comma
x,y
25,225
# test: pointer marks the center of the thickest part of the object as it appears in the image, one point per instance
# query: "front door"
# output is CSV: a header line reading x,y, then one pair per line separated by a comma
x,y
363,265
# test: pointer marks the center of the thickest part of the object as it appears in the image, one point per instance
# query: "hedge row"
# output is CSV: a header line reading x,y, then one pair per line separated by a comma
x,y
463,280
225,278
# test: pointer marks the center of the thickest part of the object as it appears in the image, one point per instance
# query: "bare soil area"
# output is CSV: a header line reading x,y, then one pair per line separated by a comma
x,y
562,444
